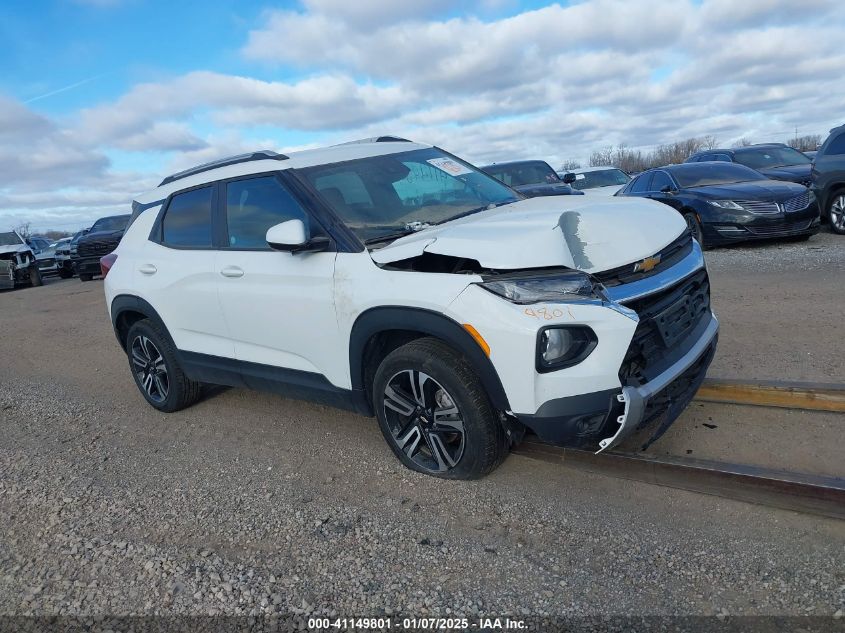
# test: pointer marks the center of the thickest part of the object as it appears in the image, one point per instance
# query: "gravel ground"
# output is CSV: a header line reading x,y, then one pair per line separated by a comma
x,y
823,251
252,504
779,305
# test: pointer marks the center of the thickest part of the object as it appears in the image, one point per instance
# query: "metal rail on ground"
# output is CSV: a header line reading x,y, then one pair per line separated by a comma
x,y
813,494
775,393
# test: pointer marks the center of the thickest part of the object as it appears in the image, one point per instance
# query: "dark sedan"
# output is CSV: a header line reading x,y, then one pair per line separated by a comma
x,y
726,202
532,178
774,160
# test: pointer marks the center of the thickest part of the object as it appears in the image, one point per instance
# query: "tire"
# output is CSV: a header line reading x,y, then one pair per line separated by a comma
x,y
836,213
695,227
35,277
64,273
434,412
156,370
85,277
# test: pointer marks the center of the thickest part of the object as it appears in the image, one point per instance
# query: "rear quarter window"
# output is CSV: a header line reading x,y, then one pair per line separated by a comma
x,y
836,146
187,220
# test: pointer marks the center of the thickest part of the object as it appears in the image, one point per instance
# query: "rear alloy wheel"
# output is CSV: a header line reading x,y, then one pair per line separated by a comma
x,y
695,228
836,214
156,370
434,412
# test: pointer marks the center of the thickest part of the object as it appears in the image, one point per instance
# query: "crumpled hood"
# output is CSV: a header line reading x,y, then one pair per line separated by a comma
x,y
590,234
14,248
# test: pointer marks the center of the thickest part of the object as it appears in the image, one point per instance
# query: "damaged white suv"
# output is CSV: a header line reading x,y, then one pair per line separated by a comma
x,y
396,280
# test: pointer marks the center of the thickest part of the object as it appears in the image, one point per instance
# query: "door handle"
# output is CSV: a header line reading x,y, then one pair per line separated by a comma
x,y
147,269
232,271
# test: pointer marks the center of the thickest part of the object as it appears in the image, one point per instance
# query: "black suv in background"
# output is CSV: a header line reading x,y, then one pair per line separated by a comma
x,y
776,161
829,179
101,239
532,178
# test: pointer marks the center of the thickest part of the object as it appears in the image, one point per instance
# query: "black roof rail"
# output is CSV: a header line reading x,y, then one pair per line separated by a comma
x,y
224,162
378,139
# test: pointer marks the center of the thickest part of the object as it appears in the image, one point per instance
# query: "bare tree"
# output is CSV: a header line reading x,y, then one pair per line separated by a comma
x,y
602,157
806,143
24,229
743,142
569,165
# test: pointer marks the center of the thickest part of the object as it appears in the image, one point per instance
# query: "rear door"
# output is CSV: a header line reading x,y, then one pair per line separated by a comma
x,y
175,273
279,306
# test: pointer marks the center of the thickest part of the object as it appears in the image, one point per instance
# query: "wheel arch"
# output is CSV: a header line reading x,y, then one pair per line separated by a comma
x,y
378,331
126,310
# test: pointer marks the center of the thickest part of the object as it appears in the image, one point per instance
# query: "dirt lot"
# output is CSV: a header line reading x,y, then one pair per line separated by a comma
x,y
249,503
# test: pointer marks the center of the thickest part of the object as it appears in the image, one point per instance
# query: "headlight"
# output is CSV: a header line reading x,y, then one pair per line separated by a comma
x,y
727,204
564,346
566,286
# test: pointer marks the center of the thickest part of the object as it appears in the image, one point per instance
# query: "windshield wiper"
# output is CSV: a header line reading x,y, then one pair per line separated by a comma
x,y
410,227
492,205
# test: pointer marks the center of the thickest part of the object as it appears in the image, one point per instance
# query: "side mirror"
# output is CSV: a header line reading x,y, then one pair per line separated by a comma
x,y
667,189
569,178
291,236
287,236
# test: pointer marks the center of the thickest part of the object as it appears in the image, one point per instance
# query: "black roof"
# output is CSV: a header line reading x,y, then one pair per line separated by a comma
x,y
224,162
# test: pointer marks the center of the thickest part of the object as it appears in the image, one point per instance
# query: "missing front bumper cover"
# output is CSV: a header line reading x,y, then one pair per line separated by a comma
x,y
636,399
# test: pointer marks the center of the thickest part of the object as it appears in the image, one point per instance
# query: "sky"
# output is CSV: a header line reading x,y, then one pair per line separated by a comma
x,y
100,99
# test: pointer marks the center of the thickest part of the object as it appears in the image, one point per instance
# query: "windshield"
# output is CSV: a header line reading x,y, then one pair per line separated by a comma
x,y
771,157
9,238
382,195
113,223
705,174
601,178
528,173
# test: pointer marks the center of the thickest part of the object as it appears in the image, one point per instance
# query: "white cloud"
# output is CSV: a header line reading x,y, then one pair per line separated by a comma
x,y
554,83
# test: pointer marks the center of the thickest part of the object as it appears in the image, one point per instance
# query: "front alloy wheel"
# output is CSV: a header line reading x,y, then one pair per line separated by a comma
x,y
836,214
150,369
434,413
425,423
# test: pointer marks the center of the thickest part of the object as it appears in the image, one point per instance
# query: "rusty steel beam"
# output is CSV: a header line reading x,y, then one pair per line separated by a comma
x,y
773,393
812,494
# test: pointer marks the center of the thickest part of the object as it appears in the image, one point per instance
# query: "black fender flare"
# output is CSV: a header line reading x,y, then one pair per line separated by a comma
x,y
130,303
430,323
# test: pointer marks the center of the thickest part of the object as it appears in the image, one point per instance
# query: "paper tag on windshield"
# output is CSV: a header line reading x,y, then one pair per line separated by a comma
x,y
448,165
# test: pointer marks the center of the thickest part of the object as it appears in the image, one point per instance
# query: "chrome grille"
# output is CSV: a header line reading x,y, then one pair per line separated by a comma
x,y
759,206
798,202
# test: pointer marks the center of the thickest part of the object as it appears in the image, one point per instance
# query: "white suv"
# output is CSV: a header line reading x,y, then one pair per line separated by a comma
x,y
396,280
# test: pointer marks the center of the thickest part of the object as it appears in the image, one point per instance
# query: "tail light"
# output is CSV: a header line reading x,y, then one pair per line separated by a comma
x,y
106,262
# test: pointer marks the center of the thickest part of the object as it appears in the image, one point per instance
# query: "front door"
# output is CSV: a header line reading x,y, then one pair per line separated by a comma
x,y
279,306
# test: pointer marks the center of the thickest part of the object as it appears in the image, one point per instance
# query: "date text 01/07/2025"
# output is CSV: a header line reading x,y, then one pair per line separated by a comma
x,y
412,624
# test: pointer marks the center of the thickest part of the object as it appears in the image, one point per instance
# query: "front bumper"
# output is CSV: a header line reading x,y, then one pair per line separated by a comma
x,y
726,228
662,399
7,275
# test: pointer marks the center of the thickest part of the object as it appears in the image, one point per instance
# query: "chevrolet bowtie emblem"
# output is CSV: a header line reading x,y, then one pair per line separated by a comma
x,y
647,264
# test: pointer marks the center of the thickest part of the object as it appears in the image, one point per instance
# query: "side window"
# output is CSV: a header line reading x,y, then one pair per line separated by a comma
x,y
836,147
659,180
253,206
187,221
721,157
640,185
